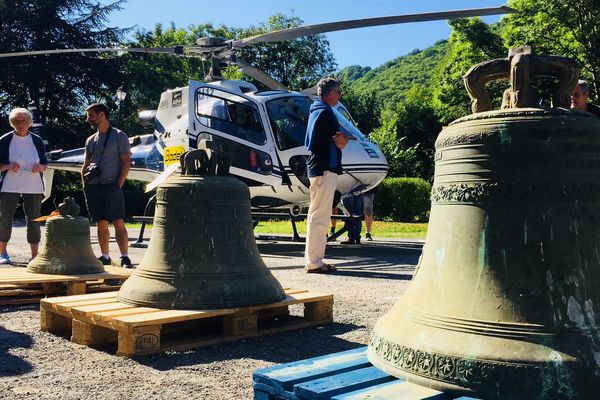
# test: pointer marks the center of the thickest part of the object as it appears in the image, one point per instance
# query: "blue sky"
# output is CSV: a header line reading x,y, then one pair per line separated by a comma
x,y
365,46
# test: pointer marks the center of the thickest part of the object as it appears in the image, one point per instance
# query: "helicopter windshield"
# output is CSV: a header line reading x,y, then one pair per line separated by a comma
x,y
347,126
229,113
289,117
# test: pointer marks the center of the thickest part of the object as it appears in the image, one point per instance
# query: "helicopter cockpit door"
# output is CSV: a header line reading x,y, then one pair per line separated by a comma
x,y
234,123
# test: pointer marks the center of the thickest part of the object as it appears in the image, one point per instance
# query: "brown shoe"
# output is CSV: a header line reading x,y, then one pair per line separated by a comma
x,y
348,241
323,269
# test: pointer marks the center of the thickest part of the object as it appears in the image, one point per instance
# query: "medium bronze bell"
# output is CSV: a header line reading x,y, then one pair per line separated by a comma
x,y
67,248
505,303
202,253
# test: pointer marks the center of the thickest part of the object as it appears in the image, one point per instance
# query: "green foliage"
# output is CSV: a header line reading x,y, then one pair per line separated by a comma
x,y
407,137
392,80
561,27
297,63
352,73
403,199
365,108
59,85
471,42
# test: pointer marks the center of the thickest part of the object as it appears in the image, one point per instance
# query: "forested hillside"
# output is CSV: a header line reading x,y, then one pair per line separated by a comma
x,y
393,79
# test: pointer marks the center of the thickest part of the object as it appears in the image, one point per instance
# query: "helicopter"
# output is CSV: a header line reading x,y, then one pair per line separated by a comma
x,y
263,131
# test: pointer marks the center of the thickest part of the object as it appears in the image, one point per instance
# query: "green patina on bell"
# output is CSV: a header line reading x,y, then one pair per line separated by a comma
x,y
505,303
66,249
202,253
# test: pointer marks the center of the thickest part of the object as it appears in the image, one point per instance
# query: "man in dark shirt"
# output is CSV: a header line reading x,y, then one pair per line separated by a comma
x,y
325,142
580,97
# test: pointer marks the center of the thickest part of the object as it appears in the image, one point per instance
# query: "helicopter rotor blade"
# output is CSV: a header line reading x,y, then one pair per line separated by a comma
x,y
293,33
259,75
177,50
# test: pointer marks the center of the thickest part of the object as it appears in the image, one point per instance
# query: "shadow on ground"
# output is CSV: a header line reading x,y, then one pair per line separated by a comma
x,y
379,260
11,365
277,348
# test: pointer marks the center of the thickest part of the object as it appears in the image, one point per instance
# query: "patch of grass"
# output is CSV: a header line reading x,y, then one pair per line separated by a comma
x,y
381,229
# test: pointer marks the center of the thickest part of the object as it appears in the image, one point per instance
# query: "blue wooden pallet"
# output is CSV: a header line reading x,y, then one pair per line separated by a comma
x,y
347,375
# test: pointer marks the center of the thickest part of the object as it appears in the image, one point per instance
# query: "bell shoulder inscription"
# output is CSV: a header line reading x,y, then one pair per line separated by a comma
x,y
480,192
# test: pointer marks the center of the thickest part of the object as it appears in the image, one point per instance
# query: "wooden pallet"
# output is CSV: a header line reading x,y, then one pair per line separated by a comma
x,y
17,286
99,318
347,375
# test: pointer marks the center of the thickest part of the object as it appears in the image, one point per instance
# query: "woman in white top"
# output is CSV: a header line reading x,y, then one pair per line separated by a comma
x,y
22,161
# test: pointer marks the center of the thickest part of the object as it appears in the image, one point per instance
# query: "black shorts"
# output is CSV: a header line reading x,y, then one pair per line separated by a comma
x,y
105,202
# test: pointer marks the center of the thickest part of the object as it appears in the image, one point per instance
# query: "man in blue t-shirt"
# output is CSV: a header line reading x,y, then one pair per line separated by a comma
x,y
325,142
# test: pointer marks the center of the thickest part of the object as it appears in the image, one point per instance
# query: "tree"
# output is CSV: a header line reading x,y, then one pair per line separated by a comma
x,y
561,27
471,42
352,73
59,85
297,63
364,107
407,136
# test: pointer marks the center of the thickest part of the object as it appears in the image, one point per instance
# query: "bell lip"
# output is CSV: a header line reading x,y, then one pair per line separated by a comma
x,y
74,272
199,306
431,383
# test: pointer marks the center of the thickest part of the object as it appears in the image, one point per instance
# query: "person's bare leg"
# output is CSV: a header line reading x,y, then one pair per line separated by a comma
x,y
121,235
3,247
34,249
103,235
368,222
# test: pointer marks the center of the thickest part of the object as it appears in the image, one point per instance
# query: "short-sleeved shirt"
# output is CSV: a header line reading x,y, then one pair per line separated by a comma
x,y
109,160
23,151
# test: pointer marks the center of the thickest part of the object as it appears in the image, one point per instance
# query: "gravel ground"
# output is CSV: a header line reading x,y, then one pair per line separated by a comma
x,y
38,365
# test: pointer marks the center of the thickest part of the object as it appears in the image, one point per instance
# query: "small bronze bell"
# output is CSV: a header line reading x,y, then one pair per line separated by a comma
x,y
67,248
505,303
202,253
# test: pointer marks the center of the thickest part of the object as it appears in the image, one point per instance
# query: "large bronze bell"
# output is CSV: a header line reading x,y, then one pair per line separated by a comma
x,y
505,303
67,249
202,253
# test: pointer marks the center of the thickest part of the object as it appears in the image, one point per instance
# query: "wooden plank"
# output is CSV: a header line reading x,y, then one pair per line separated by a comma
x,y
105,316
53,322
167,316
321,311
17,286
305,297
68,306
325,388
73,299
89,334
86,312
20,275
285,376
142,340
99,318
397,389
76,288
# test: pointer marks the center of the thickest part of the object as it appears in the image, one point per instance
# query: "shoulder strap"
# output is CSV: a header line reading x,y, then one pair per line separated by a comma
x,y
104,146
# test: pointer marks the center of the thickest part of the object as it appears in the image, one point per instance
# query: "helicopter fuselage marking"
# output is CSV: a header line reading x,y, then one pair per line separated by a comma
x,y
172,154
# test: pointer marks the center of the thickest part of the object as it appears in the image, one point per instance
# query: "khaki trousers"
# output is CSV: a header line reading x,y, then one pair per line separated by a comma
x,y
32,205
322,189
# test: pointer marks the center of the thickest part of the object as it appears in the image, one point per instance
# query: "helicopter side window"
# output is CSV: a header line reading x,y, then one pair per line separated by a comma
x,y
230,114
289,117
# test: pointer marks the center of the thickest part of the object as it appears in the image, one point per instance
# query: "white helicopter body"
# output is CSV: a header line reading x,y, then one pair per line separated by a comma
x,y
262,131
